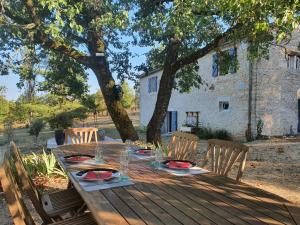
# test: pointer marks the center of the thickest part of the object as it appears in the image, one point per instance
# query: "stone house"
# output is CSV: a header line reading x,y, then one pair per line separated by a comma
x,y
268,90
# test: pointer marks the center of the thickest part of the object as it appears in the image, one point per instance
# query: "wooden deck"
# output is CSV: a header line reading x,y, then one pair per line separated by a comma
x,y
160,198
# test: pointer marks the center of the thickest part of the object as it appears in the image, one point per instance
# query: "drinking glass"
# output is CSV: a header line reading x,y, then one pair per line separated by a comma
x,y
129,145
124,161
98,153
158,157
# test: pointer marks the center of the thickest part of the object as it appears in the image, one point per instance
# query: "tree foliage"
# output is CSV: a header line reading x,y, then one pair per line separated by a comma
x,y
99,99
36,127
79,31
89,101
128,96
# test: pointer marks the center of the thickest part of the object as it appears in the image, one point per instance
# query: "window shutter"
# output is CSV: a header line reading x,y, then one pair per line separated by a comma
x,y
155,84
214,65
232,55
173,121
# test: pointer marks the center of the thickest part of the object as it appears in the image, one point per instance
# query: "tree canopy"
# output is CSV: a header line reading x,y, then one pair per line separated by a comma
x,y
128,96
87,33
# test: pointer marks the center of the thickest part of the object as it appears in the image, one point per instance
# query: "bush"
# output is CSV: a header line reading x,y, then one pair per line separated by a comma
x,y
222,134
8,130
36,126
207,133
65,120
259,129
61,120
42,165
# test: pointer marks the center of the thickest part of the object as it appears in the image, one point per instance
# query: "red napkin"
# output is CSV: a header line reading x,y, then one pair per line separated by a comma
x,y
178,164
99,175
78,158
142,151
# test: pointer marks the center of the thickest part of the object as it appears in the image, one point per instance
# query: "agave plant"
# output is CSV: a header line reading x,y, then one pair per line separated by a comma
x,y
164,149
43,164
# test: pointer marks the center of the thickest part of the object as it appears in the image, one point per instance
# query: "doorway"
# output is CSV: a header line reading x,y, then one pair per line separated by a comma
x,y
170,123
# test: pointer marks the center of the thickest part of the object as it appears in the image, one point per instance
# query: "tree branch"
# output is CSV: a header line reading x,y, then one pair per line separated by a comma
x,y
193,57
42,38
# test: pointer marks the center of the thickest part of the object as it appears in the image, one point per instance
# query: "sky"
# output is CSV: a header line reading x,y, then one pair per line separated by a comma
x,y
10,81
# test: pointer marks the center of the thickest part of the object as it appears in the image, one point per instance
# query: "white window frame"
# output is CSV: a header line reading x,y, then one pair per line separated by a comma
x,y
221,106
293,63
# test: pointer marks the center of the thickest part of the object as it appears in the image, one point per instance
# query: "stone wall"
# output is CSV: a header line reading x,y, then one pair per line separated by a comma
x,y
276,91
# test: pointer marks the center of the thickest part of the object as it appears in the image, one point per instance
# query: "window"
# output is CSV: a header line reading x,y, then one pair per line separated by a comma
x,y
192,119
221,66
223,106
152,84
293,62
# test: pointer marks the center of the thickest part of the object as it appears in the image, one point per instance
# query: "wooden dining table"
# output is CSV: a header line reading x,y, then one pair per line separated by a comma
x,y
157,197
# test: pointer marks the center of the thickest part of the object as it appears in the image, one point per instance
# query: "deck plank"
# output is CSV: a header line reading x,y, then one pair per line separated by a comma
x,y
152,207
139,209
122,208
294,211
272,210
209,196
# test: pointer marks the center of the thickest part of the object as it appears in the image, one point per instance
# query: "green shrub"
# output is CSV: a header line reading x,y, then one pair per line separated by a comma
x,y
8,130
35,127
259,128
42,165
61,120
222,134
207,133
65,119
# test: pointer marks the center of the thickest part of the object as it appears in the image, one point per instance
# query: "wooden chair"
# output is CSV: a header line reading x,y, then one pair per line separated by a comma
x,y
49,206
183,146
223,156
19,212
81,135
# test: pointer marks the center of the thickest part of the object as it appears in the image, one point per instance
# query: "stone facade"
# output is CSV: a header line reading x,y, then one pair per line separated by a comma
x,y
274,95
276,87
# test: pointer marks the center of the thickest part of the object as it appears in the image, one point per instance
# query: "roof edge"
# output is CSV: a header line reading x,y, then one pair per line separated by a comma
x,y
146,74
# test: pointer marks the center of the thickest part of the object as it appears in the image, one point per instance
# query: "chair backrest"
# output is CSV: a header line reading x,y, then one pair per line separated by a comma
x,y
183,146
81,135
224,154
18,210
28,184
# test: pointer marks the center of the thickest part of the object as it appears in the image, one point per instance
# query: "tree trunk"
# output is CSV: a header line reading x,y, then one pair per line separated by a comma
x,y
116,110
164,93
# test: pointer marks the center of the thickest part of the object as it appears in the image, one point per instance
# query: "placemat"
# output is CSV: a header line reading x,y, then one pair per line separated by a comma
x,y
94,186
90,162
185,172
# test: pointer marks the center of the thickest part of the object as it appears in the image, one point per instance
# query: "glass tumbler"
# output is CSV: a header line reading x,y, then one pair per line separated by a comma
x,y
124,161
158,157
98,153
